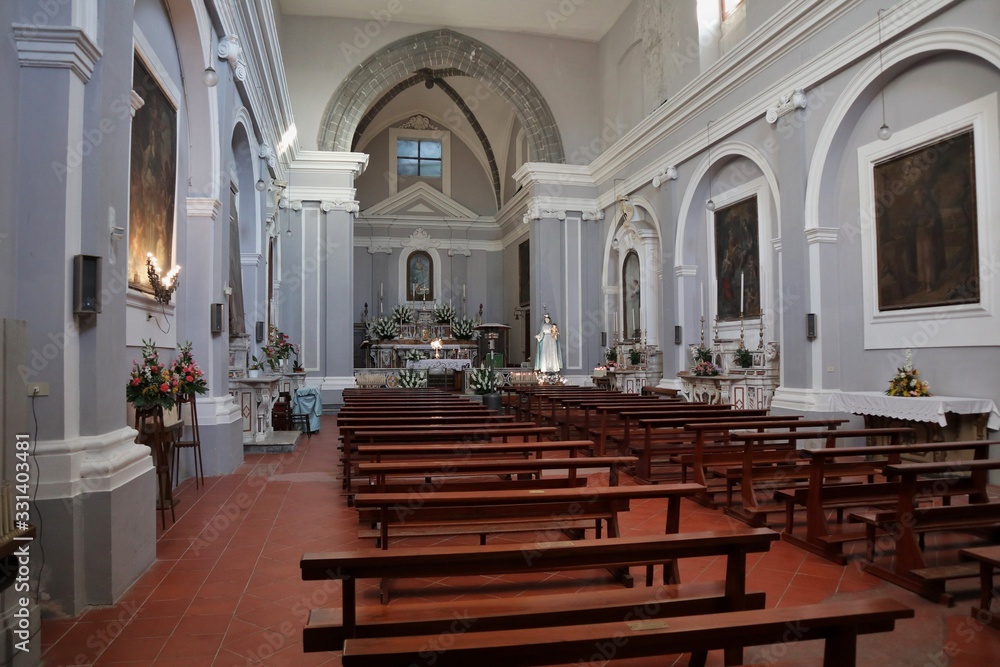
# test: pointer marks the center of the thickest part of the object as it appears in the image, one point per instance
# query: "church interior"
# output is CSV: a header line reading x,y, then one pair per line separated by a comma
x,y
245,212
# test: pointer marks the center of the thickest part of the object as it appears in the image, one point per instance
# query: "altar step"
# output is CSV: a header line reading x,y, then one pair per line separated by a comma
x,y
277,442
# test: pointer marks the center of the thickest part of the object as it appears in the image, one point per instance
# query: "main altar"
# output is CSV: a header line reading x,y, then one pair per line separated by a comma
x,y
422,339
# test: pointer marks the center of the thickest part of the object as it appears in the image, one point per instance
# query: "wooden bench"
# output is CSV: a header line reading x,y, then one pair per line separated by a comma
x,y
822,494
484,512
429,470
327,628
989,561
473,432
909,568
771,460
838,624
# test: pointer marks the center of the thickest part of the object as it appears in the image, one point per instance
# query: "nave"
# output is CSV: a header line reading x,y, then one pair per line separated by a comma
x,y
226,587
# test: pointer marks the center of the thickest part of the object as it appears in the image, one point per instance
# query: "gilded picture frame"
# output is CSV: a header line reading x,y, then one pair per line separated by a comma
x,y
737,259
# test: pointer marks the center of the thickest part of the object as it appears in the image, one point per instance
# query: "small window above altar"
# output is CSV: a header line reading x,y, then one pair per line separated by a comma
x,y
419,152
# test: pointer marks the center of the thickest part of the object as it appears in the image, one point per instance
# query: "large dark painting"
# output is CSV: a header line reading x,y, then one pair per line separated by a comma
x,y
152,179
630,295
524,273
926,228
419,277
737,259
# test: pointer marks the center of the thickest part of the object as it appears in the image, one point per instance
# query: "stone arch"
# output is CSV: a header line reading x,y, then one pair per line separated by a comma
x,y
438,49
639,233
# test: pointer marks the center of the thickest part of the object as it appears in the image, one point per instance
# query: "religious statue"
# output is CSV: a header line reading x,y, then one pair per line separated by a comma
x,y
547,357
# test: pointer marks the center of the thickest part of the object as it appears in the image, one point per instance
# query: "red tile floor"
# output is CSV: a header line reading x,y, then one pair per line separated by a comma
x,y
225,588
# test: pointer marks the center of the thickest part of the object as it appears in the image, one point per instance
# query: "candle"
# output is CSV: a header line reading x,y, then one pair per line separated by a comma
x,y
741,293
380,286
379,307
463,290
702,288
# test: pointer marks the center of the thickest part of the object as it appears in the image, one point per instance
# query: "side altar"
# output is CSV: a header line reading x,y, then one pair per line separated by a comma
x,y
748,387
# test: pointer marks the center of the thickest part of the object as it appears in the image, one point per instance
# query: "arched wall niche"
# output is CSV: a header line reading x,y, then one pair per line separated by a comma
x,y
636,232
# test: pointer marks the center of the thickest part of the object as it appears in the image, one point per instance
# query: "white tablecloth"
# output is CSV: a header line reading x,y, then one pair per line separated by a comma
x,y
915,408
440,364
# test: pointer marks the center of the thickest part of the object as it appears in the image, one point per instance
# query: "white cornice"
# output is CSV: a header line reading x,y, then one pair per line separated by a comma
x,y
346,205
203,207
452,246
550,173
816,235
250,259
302,193
686,270
330,161
401,203
557,207
58,47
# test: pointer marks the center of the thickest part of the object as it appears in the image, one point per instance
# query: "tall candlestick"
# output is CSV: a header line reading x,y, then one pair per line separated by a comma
x,y
463,290
702,288
380,289
741,293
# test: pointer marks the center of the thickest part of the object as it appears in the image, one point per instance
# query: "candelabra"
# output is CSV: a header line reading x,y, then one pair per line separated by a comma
x,y
703,330
760,344
164,287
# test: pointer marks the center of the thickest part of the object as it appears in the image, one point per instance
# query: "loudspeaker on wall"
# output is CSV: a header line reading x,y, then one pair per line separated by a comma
x,y
216,317
678,334
811,326
259,332
86,284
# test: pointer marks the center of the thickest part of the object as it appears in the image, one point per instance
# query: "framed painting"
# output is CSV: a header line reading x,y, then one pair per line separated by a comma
x,y
419,276
737,260
630,294
152,178
524,274
926,227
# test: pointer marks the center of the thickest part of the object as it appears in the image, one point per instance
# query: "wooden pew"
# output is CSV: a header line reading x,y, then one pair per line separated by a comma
x,y
471,432
583,412
444,469
909,568
327,628
484,512
823,494
769,461
837,623
989,560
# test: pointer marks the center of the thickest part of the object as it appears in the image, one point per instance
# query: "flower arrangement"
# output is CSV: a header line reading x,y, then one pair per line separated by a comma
x,y
413,355
705,368
410,379
152,384
278,347
444,314
743,357
403,314
634,357
484,380
192,379
701,353
906,381
612,356
383,328
464,328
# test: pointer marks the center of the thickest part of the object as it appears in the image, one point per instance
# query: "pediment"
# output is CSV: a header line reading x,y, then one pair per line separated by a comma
x,y
418,200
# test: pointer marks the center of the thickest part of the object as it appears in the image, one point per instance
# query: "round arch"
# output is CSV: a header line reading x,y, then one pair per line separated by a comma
x,y
438,49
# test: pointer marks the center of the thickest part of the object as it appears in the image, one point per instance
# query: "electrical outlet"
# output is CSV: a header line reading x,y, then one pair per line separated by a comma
x,y
38,389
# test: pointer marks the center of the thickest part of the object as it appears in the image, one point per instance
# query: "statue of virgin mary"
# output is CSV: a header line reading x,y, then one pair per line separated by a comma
x,y
547,357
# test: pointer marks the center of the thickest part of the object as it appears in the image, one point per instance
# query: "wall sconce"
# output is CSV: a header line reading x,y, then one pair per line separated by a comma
x,y
519,312
811,326
667,174
163,288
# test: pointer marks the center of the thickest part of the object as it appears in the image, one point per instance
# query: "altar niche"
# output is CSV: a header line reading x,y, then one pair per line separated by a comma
x,y
419,276
631,302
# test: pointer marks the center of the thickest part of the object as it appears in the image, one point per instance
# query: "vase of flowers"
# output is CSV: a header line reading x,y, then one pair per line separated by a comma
x,y
705,369
384,328
444,314
403,314
191,378
152,384
412,379
485,381
464,328
743,357
906,381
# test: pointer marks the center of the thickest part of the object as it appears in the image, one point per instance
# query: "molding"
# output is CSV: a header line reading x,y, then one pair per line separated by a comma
x,y
330,161
250,259
86,464
137,299
57,47
787,103
557,207
347,205
217,410
551,173
135,102
802,400
230,50
402,202
668,173
301,193
683,270
373,247
332,383
815,235
204,207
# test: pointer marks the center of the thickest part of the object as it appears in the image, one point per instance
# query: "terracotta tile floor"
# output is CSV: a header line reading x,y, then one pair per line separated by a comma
x,y
225,588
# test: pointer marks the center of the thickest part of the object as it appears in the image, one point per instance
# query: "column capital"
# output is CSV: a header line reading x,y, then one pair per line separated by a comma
x,y
57,47
204,207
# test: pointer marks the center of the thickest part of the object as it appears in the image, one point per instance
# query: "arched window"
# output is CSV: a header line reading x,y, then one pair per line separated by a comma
x,y
419,276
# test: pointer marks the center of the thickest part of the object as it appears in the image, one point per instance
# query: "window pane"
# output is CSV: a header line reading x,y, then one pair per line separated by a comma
x,y
407,167
430,168
430,149
406,148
